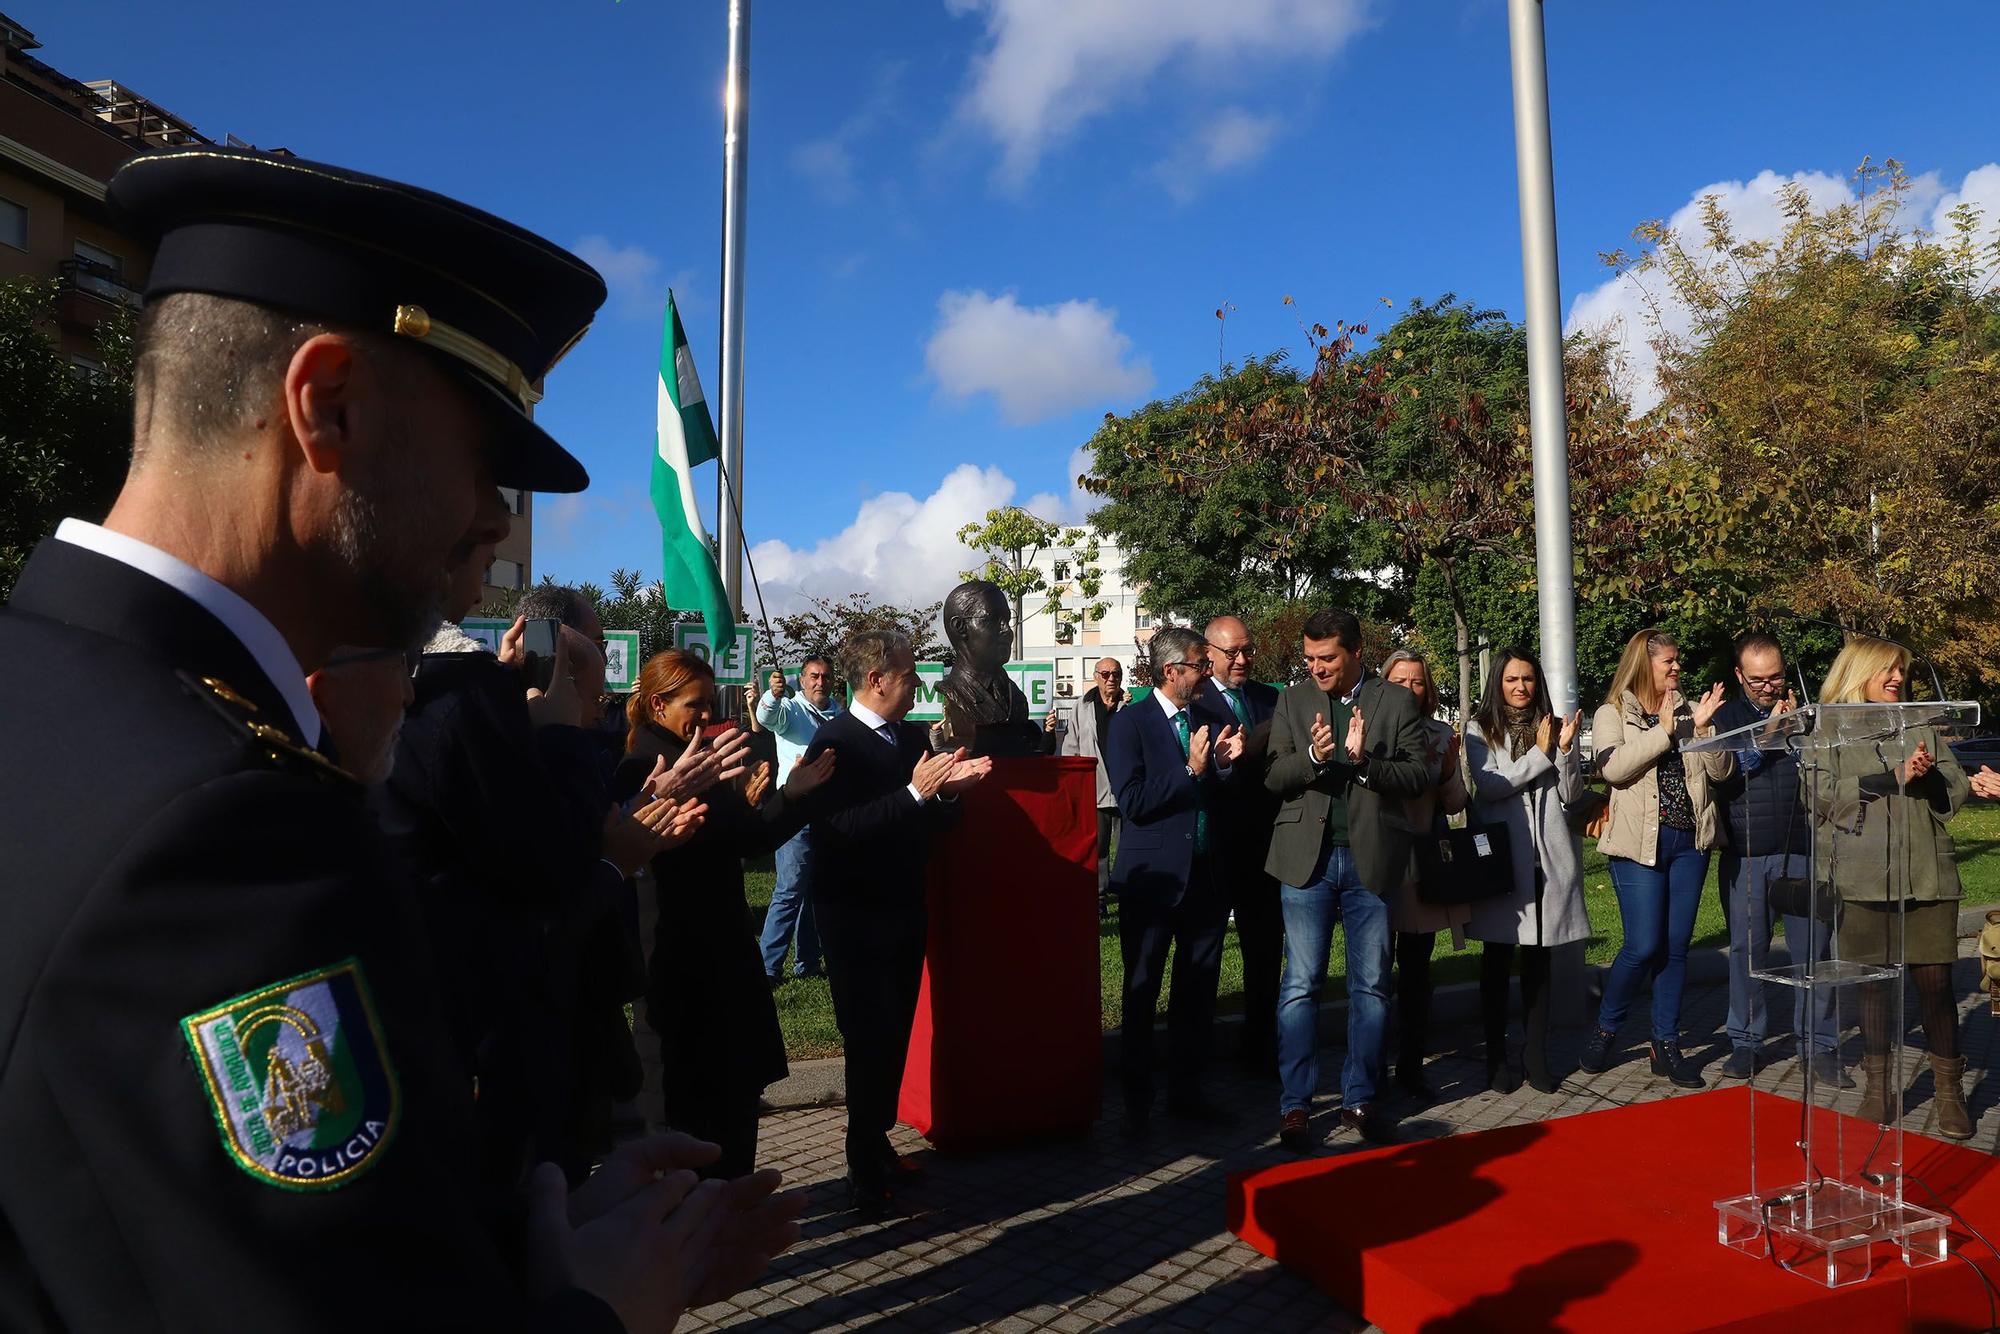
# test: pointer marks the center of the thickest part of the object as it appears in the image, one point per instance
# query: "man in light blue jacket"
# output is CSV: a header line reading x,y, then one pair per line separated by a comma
x,y
793,721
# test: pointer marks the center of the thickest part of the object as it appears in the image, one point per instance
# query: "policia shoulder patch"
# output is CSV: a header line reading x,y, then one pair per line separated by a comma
x,y
298,1077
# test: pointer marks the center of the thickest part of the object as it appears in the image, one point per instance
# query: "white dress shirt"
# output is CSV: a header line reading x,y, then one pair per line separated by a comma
x,y
875,723
253,631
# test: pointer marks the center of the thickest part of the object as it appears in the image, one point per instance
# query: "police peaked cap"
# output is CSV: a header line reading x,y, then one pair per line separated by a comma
x,y
497,304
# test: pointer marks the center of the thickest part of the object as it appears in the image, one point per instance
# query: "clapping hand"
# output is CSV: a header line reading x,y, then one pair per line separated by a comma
x,y
1785,705
1450,756
631,841
1986,783
807,775
560,705
1197,756
964,773
1919,764
1357,736
1229,746
1570,727
1545,734
757,784
1321,740
1705,707
700,766
932,770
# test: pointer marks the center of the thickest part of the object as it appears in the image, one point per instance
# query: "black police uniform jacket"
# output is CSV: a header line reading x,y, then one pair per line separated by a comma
x,y
706,995
163,860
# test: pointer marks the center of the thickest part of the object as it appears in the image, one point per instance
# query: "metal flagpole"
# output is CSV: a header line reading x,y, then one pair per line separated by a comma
x,y
1547,424
735,159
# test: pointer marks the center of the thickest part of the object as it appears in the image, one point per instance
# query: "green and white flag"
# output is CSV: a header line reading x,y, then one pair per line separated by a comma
x,y
685,436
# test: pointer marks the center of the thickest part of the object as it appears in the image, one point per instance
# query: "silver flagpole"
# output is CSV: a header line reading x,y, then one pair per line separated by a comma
x,y
1547,424
729,424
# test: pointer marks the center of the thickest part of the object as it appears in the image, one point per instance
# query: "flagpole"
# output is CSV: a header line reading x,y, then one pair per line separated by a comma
x,y
1548,426
729,411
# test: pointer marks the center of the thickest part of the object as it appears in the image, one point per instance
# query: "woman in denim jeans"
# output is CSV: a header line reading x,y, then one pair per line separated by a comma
x,y
1662,825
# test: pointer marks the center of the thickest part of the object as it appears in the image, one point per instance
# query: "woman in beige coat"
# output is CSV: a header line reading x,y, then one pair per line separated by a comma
x,y
1662,826
1415,922
1880,813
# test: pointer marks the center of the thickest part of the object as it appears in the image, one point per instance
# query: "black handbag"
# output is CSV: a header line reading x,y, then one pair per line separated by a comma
x,y
1464,865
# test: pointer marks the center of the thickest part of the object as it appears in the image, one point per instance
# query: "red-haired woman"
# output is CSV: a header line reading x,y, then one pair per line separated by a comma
x,y
706,994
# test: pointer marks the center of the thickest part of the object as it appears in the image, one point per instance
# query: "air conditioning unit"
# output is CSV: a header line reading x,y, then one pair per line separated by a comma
x,y
1065,690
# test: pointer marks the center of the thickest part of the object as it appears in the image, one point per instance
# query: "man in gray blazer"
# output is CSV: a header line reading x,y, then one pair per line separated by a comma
x,y
1346,748
1088,718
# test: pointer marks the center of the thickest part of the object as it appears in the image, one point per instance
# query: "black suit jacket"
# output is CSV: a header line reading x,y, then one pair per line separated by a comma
x,y
871,840
163,858
1246,808
1159,802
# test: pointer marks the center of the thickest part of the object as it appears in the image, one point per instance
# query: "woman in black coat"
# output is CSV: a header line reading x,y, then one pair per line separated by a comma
x,y
706,994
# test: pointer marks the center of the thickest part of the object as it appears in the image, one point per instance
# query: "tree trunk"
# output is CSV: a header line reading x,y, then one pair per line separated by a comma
x,y
1457,600
1020,625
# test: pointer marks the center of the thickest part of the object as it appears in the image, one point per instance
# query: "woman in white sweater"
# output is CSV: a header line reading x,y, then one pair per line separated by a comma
x,y
1524,775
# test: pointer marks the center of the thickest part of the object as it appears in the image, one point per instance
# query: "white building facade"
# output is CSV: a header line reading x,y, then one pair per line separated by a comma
x,y
1120,632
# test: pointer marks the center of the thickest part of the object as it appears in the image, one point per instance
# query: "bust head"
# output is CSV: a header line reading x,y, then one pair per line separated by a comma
x,y
979,626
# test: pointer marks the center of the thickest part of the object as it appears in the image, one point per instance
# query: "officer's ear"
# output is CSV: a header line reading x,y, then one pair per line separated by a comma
x,y
321,383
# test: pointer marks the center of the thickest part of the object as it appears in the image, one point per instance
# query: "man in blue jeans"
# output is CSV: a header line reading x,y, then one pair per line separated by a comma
x,y
793,721
1346,748
1769,838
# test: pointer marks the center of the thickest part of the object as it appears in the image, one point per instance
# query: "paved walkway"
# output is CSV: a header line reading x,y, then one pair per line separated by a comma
x,y
1098,1233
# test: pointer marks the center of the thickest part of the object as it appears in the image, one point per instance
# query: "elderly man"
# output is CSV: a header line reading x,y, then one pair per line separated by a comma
x,y
793,721
1169,769
1087,724
333,373
1233,697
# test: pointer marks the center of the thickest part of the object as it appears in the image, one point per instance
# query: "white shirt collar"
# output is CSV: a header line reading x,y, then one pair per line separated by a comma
x,y
252,630
1172,709
1359,681
874,721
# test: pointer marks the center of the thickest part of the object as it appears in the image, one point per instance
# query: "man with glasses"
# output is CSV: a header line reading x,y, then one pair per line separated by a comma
x,y
1769,839
1087,721
1169,769
1233,697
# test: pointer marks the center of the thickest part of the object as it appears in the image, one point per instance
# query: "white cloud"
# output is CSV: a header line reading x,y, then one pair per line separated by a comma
x,y
827,163
1981,189
1633,311
903,549
1037,361
1050,65
1235,138
632,274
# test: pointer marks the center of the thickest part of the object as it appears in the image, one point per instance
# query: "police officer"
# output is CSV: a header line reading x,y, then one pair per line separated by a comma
x,y
226,1097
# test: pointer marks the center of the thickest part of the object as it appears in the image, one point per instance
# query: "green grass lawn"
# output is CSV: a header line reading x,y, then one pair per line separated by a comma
x,y
805,1009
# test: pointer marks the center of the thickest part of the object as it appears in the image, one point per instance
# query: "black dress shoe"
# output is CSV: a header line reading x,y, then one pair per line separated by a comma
x,y
1367,1123
871,1202
1200,1112
1500,1077
1295,1131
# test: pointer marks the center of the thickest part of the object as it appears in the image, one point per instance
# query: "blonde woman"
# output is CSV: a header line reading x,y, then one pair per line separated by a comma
x,y
1661,826
1880,812
1415,922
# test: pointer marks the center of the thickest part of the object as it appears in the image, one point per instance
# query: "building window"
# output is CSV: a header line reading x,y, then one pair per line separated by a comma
x,y
13,224
1062,570
1142,619
98,257
1065,632
517,499
506,574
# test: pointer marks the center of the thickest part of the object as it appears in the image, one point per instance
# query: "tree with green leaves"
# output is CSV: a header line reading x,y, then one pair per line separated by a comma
x,y
827,623
65,429
1014,541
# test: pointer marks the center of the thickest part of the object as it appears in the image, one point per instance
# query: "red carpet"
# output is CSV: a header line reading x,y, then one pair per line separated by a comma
x,y
1603,1221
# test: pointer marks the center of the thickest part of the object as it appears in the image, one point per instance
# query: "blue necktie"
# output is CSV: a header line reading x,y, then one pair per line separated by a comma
x,y
1200,815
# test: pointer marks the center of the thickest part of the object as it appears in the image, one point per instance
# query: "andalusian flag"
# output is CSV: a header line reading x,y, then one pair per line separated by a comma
x,y
684,437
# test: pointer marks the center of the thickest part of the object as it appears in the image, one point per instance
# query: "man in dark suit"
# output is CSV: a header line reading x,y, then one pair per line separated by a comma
x,y
221,1040
1169,770
1246,812
1346,748
871,828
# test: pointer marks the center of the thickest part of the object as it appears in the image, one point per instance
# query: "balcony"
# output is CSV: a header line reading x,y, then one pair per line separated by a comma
x,y
98,280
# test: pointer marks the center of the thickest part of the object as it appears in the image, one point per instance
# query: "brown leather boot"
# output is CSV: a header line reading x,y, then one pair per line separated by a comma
x,y
1954,1120
1875,1090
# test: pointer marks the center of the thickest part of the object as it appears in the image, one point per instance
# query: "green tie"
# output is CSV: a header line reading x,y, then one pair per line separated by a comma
x,y
1200,815
1236,706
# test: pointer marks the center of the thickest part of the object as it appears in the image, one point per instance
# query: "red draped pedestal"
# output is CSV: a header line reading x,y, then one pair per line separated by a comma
x,y
1007,1042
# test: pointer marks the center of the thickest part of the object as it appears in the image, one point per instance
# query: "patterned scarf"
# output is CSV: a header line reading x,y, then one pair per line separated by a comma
x,y
1521,724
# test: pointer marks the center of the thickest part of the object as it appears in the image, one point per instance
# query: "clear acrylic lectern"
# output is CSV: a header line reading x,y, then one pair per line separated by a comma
x,y
1821,1207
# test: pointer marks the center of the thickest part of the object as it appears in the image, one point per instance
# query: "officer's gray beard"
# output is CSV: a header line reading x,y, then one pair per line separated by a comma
x,y
383,551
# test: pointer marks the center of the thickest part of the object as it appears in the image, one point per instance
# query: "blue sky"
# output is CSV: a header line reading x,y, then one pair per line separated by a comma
x,y
975,226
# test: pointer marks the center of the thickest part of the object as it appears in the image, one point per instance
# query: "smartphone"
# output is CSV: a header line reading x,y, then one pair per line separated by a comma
x,y
538,645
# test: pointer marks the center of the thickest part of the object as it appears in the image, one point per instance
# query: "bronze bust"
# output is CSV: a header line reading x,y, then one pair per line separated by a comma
x,y
983,710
